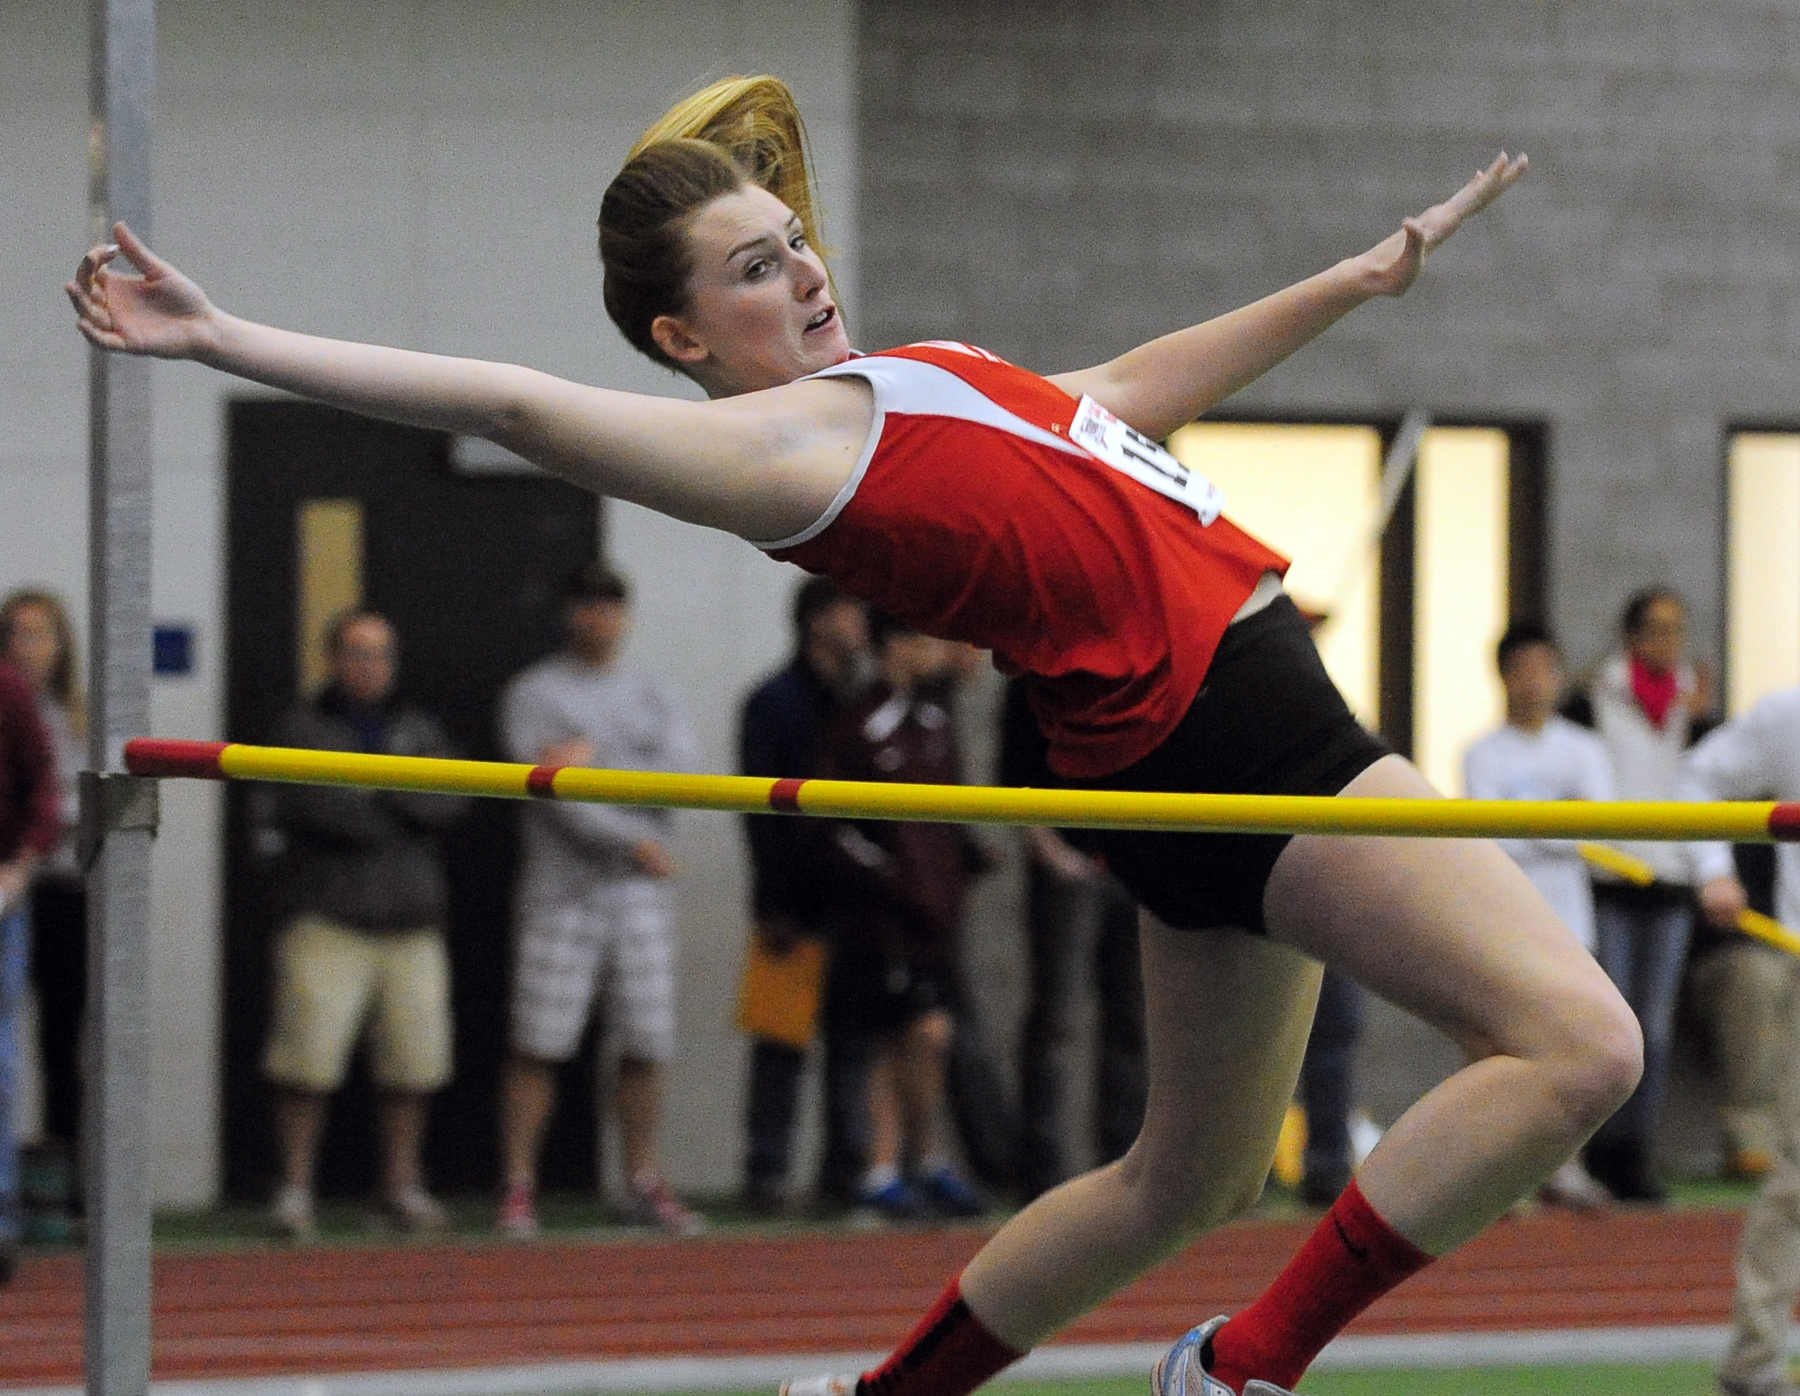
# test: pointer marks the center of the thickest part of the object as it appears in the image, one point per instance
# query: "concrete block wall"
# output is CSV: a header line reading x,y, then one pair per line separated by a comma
x,y
1061,179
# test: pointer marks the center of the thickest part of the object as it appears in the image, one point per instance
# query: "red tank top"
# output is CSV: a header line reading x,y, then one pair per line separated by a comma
x,y
972,516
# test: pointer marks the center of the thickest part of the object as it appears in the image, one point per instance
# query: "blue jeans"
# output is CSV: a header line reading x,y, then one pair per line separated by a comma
x,y
1642,944
15,942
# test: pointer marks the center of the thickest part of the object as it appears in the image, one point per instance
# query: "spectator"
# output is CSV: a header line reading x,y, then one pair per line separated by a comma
x,y
1539,755
1741,991
37,639
1757,757
781,733
28,834
595,911
1081,928
1644,704
896,923
363,947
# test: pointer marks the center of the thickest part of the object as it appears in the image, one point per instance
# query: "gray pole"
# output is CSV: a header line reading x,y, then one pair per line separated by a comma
x,y
116,815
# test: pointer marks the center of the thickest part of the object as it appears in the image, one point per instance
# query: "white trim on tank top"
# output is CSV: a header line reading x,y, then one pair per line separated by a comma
x,y
912,387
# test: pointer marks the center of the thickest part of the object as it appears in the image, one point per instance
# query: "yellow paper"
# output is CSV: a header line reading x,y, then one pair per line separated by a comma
x,y
779,997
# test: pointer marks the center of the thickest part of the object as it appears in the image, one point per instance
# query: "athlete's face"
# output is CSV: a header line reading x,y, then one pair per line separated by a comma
x,y
759,310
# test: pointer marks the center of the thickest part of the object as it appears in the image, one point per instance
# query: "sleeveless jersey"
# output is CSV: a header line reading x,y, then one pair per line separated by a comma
x,y
972,516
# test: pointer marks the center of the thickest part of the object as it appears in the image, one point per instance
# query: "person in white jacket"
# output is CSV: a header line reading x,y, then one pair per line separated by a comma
x,y
1538,755
1645,702
1756,756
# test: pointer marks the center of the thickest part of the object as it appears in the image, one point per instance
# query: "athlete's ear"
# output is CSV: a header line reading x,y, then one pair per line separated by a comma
x,y
677,341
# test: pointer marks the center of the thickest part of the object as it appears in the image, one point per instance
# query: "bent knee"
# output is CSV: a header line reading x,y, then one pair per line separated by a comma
x,y
1182,1202
1603,1060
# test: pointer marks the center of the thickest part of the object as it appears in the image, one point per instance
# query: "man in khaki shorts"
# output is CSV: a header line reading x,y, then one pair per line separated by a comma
x,y
364,947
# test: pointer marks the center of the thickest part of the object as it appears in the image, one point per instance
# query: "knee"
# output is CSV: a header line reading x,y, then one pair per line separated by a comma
x,y
1606,1059
1179,1201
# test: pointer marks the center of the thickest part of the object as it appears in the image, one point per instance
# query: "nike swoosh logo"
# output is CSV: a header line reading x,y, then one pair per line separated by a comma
x,y
1359,1252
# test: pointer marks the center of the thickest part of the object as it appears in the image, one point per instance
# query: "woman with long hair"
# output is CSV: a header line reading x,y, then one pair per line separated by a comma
x,y
980,502
38,639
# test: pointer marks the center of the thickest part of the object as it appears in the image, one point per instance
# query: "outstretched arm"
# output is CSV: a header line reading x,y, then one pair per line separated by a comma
x,y
762,466
1168,382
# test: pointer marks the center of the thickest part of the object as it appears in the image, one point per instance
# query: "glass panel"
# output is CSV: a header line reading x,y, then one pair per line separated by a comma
x,y
1762,567
1459,595
328,561
1313,493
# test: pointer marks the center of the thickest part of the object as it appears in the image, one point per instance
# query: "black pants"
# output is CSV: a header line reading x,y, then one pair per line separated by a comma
x,y
59,974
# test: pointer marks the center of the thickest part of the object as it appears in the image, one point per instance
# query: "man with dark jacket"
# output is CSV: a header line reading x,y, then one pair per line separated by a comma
x,y
363,946
781,732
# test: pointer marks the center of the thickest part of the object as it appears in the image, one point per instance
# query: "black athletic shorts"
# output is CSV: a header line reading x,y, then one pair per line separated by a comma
x,y
1267,721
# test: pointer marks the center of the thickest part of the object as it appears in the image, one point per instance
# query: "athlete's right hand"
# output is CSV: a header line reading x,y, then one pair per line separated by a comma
x,y
159,312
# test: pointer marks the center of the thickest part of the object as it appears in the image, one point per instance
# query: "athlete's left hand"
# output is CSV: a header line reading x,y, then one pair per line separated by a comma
x,y
1393,264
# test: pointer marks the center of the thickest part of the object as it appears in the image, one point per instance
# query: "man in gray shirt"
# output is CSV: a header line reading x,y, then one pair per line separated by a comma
x,y
594,908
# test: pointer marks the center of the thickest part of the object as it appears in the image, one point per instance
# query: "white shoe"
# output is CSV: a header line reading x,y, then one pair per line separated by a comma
x,y
417,1211
291,1213
1182,1369
819,1386
1572,1186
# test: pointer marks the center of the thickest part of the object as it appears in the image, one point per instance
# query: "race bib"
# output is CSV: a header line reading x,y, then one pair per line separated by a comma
x,y
1107,439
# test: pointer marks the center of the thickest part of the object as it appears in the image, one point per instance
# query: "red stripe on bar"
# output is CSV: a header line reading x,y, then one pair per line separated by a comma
x,y
540,782
784,796
170,756
1784,822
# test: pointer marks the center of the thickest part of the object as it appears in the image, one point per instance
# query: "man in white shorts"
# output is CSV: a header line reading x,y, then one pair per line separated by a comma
x,y
595,913
363,879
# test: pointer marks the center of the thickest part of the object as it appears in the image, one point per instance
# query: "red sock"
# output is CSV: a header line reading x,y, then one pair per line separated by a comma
x,y
950,1353
1350,1261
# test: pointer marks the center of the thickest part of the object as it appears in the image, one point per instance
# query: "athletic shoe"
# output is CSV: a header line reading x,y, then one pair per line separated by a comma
x,y
947,1194
291,1213
894,1200
650,1203
417,1211
819,1386
1182,1370
518,1211
1572,1186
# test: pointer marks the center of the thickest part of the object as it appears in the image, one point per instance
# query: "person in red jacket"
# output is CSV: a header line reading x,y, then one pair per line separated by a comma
x,y
29,830
1036,517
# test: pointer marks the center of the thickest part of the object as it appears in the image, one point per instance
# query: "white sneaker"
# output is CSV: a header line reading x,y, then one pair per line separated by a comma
x,y
819,1386
1182,1369
291,1213
417,1211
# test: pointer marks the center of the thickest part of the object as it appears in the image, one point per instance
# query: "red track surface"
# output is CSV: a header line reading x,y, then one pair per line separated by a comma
x,y
277,1311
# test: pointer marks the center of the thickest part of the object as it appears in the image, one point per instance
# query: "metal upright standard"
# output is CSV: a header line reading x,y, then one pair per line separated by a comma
x,y
117,809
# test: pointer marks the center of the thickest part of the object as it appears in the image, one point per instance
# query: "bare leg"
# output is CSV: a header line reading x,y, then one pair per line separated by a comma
x,y
527,1095
1451,930
403,1115
640,1116
919,1074
1227,1016
299,1121
886,1126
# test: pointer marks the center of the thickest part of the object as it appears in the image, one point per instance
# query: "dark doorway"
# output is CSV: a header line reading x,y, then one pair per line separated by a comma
x,y
466,567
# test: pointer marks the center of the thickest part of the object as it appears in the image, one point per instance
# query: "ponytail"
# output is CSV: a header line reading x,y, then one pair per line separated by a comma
x,y
738,131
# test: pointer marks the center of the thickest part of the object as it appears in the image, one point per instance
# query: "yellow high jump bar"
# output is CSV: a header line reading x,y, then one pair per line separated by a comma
x,y
1736,822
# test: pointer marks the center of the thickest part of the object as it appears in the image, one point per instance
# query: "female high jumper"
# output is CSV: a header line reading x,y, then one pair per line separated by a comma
x,y
981,502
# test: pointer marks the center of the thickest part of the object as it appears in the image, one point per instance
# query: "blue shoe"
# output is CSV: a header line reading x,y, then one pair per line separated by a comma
x,y
947,1194
894,1201
1182,1370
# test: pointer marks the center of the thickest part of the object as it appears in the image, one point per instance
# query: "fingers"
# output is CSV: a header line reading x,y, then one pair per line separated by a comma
x,y
96,258
141,256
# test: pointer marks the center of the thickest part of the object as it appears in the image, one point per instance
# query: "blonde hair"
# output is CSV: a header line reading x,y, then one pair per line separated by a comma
x,y
756,122
735,132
